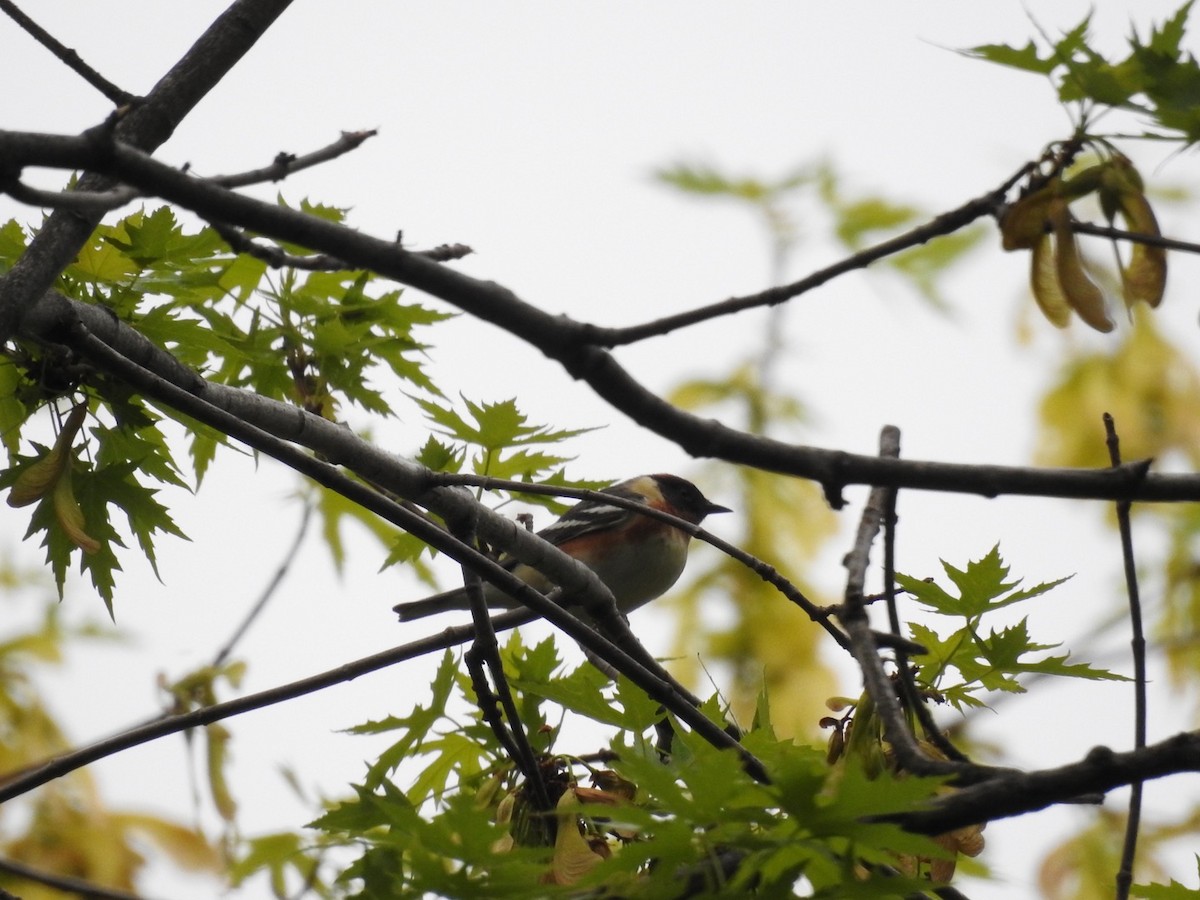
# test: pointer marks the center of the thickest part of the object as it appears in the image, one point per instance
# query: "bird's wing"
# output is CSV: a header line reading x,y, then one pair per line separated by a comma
x,y
585,518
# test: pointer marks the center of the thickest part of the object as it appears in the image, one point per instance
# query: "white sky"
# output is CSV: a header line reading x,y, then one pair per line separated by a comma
x,y
528,130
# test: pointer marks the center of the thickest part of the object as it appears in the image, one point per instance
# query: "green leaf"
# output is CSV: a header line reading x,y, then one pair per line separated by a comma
x,y
100,262
13,241
587,691
417,725
145,447
151,237
13,412
405,549
1159,80
533,664
59,546
981,586
496,427
367,812
523,465
856,795
440,457
242,275
706,180
274,854
860,219
1005,651
1172,891
335,511
116,485
1026,58
500,424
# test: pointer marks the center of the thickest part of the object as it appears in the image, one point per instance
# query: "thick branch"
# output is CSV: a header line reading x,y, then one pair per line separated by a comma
x,y
1016,793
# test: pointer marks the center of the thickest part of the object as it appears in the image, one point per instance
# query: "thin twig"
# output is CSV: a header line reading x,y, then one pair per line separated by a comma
x,y
78,201
946,223
274,255
286,164
904,671
1137,642
444,252
1135,237
69,57
284,566
278,258
161,726
853,616
485,699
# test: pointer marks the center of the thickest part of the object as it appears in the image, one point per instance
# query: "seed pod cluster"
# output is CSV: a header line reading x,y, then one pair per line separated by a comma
x,y
1041,221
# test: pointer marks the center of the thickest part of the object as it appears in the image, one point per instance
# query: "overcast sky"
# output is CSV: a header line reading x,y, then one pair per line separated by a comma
x,y
529,130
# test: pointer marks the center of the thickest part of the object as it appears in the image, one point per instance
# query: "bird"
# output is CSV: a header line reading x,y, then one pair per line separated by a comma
x,y
637,557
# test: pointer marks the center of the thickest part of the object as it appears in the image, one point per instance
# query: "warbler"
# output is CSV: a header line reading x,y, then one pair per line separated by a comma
x,y
637,557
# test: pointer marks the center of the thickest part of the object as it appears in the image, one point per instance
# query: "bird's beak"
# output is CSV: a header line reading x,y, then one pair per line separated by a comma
x,y
715,508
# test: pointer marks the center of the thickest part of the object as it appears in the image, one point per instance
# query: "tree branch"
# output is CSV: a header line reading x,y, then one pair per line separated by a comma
x,y
1134,237
100,202
1015,793
146,126
946,223
33,777
908,754
567,341
269,591
485,651
1137,641
70,58
64,883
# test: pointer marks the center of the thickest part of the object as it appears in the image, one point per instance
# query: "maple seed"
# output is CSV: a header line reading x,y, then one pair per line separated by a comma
x,y
574,855
69,514
1044,281
36,481
1023,224
1079,290
1144,277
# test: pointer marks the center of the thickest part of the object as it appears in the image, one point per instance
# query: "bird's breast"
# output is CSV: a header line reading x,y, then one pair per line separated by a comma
x,y
637,578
